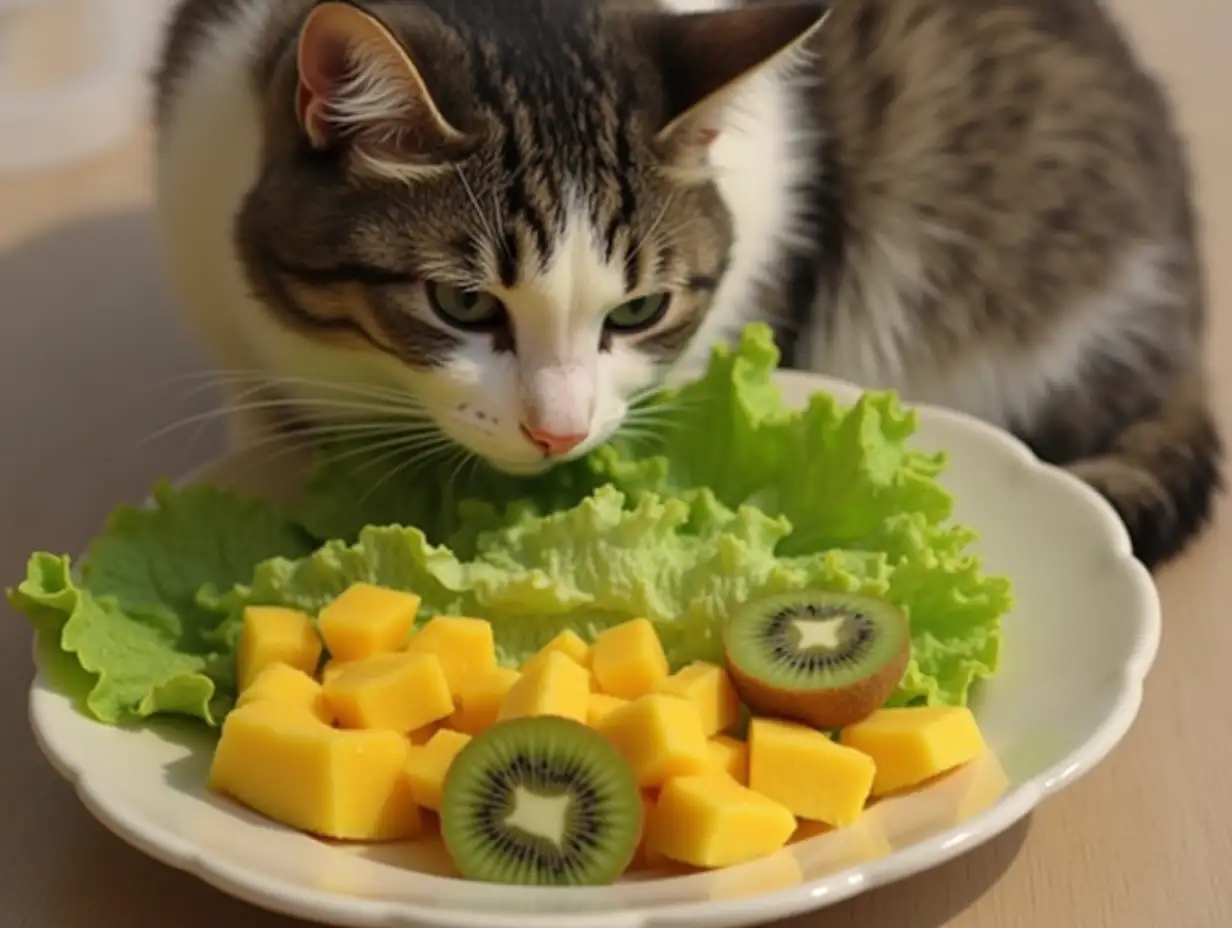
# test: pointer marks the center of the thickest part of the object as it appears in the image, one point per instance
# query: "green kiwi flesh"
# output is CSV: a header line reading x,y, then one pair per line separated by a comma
x,y
823,658
541,801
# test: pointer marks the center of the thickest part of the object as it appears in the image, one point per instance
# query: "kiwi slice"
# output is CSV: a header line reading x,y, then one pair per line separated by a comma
x,y
541,801
823,658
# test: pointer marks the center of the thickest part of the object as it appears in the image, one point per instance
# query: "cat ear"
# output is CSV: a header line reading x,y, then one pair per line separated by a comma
x,y
706,58
358,86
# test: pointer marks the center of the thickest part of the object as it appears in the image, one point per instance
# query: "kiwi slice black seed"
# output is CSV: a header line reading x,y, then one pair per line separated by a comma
x,y
541,801
824,658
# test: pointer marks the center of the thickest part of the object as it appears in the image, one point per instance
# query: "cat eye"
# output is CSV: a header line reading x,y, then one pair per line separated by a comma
x,y
638,315
466,309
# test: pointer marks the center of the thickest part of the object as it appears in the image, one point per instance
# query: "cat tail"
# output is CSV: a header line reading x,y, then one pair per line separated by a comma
x,y
1162,473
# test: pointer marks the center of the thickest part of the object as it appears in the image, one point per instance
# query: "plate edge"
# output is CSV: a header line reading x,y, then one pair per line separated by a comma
x,y
940,848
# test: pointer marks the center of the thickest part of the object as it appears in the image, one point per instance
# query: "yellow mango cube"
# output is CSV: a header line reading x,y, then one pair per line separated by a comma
x,y
646,857
712,821
331,669
558,686
601,706
806,831
478,700
290,686
912,745
367,620
568,643
425,734
350,785
427,766
709,688
729,756
465,647
393,691
274,635
628,660
802,769
660,736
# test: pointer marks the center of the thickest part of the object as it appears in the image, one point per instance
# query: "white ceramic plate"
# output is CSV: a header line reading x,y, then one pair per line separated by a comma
x,y
1077,648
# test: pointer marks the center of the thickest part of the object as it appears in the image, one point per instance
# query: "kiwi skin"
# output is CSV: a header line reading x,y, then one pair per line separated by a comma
x,y
532,745
822,706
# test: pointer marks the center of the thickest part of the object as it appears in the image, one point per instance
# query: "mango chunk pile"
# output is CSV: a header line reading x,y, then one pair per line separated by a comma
x,y
347,723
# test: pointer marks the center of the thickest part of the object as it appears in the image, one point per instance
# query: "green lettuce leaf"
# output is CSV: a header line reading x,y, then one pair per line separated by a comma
x,y
836,472
683,562
135,619
954,608
349,488
830,477
738,497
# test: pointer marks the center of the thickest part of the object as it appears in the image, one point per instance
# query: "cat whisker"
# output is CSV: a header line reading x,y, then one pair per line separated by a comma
x,y
647,393
405,452
464,459
634,429
643,439
656,423
205,421
499,241
243,400
381,453
372,391
376,452
364,437
283,444
663,409
289,403
659,425
475,463
667,202
679,228
401,467
357,430
668,398
300,441
650,416
310,436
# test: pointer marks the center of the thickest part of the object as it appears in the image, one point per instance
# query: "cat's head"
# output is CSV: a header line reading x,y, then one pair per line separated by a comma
x,y
503,207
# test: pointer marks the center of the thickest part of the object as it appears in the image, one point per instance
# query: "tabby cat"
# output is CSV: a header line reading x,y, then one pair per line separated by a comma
x,y
522,215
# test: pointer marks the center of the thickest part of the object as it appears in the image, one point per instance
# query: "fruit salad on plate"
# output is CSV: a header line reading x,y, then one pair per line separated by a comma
x,y
748,620
589,761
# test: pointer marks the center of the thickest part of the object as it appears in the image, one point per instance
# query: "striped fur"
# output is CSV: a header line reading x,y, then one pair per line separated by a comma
x,y
980,204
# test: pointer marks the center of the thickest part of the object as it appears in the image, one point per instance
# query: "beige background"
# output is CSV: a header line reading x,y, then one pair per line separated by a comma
x,y
91,364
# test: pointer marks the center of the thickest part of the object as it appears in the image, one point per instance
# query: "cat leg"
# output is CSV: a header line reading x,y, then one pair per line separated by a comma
x,y
1162,473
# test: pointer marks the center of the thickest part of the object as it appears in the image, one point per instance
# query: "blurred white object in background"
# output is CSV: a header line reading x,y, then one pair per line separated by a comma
x,y
74,77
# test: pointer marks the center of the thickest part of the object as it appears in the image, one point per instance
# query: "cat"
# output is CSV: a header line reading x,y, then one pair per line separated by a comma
x,y
513,218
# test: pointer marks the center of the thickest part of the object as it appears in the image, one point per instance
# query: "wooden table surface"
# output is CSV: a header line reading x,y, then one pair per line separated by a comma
x,y
90,353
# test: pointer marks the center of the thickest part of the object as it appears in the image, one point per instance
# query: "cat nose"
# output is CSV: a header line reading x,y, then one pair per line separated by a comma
x,y
551,443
